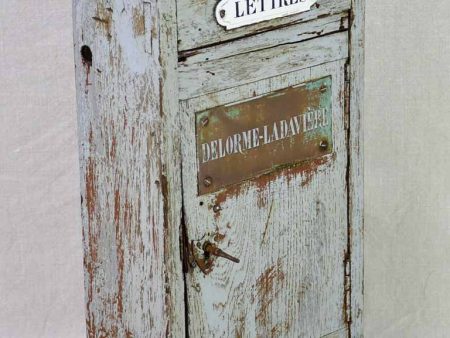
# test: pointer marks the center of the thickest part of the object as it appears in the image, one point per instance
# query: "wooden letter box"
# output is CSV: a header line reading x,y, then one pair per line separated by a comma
x,y
221,167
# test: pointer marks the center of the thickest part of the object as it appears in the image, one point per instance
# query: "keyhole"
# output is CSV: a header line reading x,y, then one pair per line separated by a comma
x,y
86,55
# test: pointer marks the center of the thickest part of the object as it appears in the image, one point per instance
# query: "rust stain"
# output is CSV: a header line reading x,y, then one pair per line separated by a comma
x,y
240,328
165,195
103,332
116,206
90,257
164,186
91,192
103,17
309,174
120,266
277,330
218,237
127,217
206,266
267,223
268,285
307,169
138,21
112,152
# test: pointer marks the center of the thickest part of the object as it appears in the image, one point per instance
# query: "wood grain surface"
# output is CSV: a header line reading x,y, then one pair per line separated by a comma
x,y
197,26
218,74
289,230
297,231
130,189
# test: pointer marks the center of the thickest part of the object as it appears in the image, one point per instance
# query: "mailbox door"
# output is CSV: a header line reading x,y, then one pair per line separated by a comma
x,y
288,226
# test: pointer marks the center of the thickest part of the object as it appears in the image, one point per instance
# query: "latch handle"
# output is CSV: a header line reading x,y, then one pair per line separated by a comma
x,y
212,249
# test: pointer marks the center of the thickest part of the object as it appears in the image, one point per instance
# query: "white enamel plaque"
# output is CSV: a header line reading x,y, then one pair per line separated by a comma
x,y
237,13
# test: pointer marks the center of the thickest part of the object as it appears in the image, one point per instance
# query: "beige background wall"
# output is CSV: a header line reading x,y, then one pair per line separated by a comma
x,y
41,281
407,169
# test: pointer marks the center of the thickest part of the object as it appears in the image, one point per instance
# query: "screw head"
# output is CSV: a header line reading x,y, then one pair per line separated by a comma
x,y
216,208
323,144
205,122
222,13
207,181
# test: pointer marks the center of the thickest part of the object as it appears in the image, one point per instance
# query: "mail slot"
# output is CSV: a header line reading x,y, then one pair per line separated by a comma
x,y
220,156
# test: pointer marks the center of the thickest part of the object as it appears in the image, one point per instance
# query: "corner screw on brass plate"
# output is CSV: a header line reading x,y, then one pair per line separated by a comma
x,y
207,181
323,145
205,122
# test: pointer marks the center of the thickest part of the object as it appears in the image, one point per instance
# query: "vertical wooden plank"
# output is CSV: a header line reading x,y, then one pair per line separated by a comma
x,y
356,180
171,162
126,82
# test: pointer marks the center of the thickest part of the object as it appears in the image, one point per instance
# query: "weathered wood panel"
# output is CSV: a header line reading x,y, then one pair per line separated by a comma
x,y
197,25
294,230
356,180
126,97
289,229
219,74
285,35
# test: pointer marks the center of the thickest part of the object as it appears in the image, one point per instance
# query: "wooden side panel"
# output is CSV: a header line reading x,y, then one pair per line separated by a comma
x,y
356,179
219,74
130,207
197,25
288,228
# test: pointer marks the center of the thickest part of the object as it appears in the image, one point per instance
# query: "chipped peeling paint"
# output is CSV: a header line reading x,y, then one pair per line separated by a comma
x,y
129,227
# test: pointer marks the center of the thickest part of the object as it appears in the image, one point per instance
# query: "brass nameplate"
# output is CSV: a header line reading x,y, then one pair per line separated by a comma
x,y
243,140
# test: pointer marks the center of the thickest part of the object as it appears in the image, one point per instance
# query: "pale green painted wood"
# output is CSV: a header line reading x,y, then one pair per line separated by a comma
x,y
197,26
130,180
294,230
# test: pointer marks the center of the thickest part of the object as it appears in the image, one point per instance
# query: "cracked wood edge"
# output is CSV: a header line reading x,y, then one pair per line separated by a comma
x,y
129,159
197,26
282,36
356,180
216,75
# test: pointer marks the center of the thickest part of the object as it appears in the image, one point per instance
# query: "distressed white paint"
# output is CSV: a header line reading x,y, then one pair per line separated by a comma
x,y
237,13
356,202
282,36
291,230
197,26
219,74
130,183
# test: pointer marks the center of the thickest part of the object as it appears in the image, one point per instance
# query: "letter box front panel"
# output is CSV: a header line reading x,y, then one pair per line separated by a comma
x,y
246,139
286,225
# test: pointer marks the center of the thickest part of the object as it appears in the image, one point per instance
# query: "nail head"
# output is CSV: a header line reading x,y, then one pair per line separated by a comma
x,y
207,181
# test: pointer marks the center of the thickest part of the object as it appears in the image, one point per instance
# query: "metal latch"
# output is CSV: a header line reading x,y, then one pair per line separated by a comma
x,y
204,253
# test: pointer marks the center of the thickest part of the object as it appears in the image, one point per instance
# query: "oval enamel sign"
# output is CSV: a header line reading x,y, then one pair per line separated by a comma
x,y
237,13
